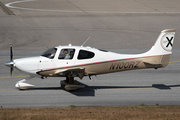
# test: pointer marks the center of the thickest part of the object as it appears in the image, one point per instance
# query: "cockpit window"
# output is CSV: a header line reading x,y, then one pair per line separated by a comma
x,y
103,50
50,53
83,54
66,54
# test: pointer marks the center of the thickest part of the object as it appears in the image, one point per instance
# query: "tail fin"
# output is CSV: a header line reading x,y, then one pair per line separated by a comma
x,y
164,43
161,51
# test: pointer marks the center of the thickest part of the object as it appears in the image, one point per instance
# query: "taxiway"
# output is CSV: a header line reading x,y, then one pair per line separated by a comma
x,y
120,26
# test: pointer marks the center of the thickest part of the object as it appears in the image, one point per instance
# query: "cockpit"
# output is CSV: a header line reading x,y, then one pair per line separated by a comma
x,y
64,53
68,53
50,53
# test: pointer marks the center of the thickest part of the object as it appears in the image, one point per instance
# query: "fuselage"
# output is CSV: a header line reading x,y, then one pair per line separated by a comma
x,y
94,61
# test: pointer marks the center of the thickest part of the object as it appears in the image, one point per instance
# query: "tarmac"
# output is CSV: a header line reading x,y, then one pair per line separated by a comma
x,y
123,26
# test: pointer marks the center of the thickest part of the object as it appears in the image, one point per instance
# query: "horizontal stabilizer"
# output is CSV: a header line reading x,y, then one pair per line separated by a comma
x,y
153,63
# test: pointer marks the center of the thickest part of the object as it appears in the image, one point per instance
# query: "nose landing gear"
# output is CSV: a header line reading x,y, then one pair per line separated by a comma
x,y
21,85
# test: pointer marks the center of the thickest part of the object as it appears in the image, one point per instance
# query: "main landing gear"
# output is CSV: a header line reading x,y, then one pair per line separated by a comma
x,y
69,84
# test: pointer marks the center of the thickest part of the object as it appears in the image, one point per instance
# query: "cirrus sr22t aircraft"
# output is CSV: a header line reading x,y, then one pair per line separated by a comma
x,y
78,61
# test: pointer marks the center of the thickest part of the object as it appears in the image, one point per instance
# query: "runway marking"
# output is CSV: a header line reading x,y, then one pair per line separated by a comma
x,y
14,77
6,9
43,10
10,5
174,61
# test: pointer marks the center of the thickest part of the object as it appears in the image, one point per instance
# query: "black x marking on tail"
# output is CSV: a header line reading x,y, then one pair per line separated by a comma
x,y
169,41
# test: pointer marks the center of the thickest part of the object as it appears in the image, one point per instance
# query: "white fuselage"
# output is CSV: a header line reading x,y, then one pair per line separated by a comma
x,y
99,63
34,64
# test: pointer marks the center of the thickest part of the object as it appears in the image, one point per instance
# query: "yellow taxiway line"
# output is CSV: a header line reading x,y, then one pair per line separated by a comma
x,y
15,77
174,61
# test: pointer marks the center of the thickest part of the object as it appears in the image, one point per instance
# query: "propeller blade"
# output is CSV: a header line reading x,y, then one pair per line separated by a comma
x,y
11,70
11,53
11,62
11,59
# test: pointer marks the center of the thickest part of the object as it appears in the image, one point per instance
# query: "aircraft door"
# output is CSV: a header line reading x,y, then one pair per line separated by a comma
x,y
85,58
65,57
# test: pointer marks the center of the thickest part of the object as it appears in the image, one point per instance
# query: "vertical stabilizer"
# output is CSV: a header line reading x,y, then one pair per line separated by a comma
x,y
159,54
164,43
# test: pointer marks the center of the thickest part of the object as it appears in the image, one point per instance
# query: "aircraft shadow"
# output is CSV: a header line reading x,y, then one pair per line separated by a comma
x,y
158,86
47,88
90,90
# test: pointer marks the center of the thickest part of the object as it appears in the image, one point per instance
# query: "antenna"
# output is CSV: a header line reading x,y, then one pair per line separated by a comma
x,y
86,40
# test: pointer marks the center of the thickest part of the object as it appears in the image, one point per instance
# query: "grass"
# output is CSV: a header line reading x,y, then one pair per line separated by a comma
x,y
72,112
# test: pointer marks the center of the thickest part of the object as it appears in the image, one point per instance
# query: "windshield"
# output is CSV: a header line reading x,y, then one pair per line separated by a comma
x,y
50,53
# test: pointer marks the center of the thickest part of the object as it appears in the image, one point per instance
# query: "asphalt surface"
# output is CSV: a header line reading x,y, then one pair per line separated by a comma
x,y
120,26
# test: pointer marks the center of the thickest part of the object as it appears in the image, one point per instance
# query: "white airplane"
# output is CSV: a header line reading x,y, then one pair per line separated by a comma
x,y
78,61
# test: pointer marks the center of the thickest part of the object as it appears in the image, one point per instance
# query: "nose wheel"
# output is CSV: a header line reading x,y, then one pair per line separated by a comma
x,y
70,85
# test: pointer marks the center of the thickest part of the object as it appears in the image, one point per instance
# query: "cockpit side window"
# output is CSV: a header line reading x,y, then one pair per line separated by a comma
x,y
66,54
83,54
50,53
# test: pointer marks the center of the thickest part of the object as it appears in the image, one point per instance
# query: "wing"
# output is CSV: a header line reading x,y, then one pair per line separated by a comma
x,y
77,72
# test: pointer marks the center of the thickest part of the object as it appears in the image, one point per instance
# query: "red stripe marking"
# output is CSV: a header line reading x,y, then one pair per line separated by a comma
x,y
90,63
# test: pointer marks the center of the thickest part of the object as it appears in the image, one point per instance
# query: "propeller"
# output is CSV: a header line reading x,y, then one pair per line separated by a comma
x,y
11,62
11,53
